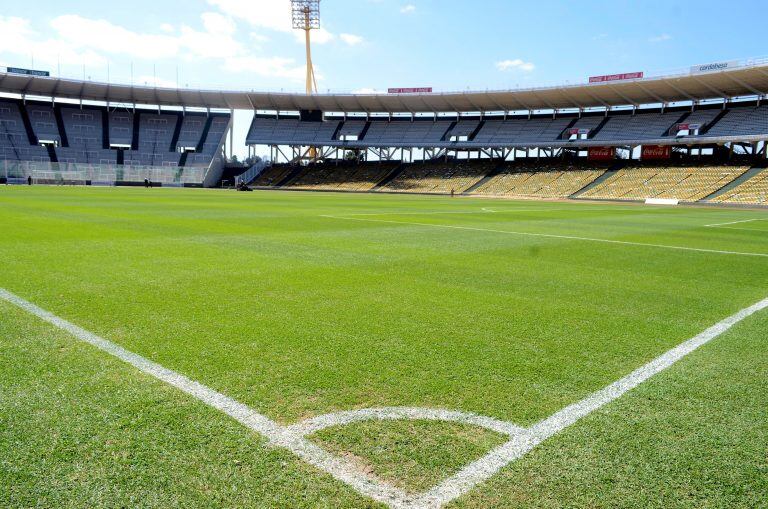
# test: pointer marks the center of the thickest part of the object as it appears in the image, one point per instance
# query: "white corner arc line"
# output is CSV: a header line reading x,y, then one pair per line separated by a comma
x,y
293,438
272,431
321,422
554,236
485,467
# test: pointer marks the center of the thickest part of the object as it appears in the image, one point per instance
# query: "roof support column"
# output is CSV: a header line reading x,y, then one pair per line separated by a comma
x,y
232,134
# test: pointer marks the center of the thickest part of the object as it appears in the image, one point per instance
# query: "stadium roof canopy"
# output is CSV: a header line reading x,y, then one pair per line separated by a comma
x,y
743,81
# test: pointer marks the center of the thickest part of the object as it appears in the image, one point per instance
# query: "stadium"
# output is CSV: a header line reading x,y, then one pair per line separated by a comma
x,y
539,296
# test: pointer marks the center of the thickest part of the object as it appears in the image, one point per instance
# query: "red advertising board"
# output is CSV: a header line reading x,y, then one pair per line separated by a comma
x,y
578,131
656,152
616,77
424,90
688,127
601,153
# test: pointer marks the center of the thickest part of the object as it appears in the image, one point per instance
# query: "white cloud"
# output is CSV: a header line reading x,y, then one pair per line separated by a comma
x,y
84,33
268,66
509,65
218,24
319,36
76,40
271,14
408,9
351,39
275,15
366,91
167,28
18,39
660,38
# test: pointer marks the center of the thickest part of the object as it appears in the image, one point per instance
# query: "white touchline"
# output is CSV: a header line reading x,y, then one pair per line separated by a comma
x,y
552,236
294,438
487,466
272,431
734,222
484,210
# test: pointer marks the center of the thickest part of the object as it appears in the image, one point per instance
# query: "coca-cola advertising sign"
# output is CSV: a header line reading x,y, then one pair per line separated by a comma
x,y
601,153
657,152
422,90
578,131
616,77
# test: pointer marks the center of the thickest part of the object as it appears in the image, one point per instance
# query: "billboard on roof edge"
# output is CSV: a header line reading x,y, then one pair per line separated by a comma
x,y
616,77
421,90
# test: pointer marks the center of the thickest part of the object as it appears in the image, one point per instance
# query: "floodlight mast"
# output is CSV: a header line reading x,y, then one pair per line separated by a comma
x,y
306,16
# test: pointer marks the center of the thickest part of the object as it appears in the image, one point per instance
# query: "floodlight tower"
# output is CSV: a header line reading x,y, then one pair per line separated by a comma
x,y
306,16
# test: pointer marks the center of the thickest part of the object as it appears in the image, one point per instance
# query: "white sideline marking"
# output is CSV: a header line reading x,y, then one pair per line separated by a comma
x,y
742,229
484,210
485,467
553,236
428,213
733,222
293,438
272,431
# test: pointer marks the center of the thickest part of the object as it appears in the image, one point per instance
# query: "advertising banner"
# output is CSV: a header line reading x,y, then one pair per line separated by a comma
x,y
423,90
656,152
28,72
616,77
715,66
689,127
601,153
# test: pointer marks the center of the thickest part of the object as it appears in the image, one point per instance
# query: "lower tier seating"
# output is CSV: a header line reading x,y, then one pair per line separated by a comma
x,y
272,176
363,177
440,177
687,184
539,181
752,192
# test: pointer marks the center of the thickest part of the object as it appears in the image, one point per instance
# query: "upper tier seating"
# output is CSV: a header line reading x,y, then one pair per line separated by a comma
x,y
702,116
352,128
464,128
43,120
420,132
15,143
536,130
77,136
742,121
637,127
591,122
85,134
291,131
212,143
155,137
617,127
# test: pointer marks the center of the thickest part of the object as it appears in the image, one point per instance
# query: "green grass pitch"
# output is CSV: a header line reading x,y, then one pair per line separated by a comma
x,y
304,304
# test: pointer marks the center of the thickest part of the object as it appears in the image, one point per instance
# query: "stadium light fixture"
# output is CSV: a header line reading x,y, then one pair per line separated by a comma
x,y
306,16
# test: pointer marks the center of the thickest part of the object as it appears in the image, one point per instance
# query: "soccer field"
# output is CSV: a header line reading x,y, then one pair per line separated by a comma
x,y
473,326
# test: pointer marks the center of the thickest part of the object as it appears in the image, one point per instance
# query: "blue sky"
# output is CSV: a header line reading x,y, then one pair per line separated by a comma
x,y
373,44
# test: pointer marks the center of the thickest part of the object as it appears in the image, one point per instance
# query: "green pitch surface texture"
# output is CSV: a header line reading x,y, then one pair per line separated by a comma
x,y
304,304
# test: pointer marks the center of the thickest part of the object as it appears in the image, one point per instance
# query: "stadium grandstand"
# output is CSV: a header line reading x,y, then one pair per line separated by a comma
x,y
698,136
537,296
